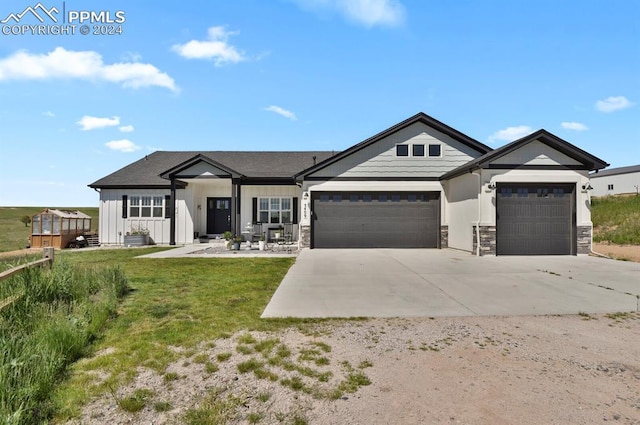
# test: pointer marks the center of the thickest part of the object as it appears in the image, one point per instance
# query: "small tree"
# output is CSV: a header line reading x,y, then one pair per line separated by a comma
x,y
26,220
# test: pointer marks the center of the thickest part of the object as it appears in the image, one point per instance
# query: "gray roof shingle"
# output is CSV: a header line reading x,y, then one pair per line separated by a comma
x,y
616,171
145,172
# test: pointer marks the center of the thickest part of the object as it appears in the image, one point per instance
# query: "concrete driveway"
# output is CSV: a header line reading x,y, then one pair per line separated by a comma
x,y
431,282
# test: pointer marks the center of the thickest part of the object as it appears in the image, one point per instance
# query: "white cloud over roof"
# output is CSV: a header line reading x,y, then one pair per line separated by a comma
x,y
613,103
216,48
86,65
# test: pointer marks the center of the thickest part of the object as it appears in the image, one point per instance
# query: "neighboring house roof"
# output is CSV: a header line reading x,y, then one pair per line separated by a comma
x,y
147,171
616,171
420,117
589,161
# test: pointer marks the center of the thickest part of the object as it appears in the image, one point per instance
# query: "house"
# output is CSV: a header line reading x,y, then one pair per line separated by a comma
x,y
417,184
616,181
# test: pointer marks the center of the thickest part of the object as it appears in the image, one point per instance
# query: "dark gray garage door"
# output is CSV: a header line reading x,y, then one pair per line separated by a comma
x,y
375,219
535,219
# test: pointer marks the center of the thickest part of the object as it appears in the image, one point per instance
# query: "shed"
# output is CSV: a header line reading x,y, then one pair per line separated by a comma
x,y
57,228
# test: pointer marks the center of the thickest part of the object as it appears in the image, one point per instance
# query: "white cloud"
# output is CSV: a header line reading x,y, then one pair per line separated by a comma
x,y
281,111
91,123
86,65
510,134
365,12
577,126
613,103
49,114
215,48
126,128
123,145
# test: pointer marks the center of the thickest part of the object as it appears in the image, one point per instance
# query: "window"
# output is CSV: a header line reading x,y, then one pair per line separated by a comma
x,y
609,187
402,150
435,150
146,206
418,150
275,210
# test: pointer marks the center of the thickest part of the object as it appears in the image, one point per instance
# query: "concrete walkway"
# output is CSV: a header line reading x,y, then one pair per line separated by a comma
x,y
430,282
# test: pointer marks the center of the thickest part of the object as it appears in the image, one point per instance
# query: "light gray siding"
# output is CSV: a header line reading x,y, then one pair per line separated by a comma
x,y
536,153
615,184
379,159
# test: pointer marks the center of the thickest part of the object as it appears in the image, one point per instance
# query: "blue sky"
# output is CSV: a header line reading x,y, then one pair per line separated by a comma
x,y
302,75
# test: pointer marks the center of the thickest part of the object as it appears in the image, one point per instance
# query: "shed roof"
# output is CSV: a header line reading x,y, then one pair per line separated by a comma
x,y
64,213
616,171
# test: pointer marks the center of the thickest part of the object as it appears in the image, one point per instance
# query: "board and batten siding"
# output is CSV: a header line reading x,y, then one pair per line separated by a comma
x,y
536,153
112,227
379,159
250,192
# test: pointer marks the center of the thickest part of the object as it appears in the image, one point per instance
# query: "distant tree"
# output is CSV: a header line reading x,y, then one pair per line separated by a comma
x,y
26,220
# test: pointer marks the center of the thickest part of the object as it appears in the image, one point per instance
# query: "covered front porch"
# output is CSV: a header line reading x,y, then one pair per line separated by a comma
x,y
220,200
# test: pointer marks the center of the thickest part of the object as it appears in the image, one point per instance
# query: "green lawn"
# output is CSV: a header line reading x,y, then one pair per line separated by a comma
x,y
174,302
14,234
616,219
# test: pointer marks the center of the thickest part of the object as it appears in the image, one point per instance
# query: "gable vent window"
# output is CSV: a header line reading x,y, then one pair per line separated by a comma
x,y
435,150
418,150
402,150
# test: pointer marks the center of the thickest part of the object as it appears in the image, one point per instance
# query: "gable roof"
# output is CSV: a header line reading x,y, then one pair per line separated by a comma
x,y
146,172
589,161
420,117
616,171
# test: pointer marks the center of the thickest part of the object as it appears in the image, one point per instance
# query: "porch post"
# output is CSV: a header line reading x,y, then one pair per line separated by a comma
x,y
233,206
238,228
172,213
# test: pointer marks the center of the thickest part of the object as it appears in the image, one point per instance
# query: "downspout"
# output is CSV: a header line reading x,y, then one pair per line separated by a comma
x,y
477,173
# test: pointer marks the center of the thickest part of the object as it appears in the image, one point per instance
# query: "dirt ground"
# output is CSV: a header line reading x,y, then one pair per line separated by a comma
x,y
494,370
621,252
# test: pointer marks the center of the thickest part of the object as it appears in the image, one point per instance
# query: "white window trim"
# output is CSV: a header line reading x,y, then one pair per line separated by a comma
x,y
280,210
152,206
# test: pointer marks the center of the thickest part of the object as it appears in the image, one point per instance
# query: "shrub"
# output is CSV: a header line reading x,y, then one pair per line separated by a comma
x,y
55,317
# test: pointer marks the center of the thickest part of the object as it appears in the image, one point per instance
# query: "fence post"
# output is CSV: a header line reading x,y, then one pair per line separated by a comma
x,y
48,253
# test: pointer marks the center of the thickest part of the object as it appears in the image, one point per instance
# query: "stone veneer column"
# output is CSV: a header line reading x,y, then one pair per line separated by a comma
x,y
444,236
487,240
584,239
304,241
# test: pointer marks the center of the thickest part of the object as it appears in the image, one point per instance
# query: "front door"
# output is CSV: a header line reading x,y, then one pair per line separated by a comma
x,y
218,215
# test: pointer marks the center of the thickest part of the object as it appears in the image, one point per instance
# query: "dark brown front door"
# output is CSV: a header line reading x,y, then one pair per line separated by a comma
x,y
218,215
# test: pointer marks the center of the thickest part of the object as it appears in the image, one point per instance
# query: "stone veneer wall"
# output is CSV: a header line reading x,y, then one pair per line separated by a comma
x,y
444,236
304,241
487,240
584,239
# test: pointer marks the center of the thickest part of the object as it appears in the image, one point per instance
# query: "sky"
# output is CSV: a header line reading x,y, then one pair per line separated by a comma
x,y
300,75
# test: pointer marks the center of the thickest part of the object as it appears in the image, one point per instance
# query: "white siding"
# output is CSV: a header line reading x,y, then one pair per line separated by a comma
x,y
536,153
202,169
622,183
112,226
462,198
379,159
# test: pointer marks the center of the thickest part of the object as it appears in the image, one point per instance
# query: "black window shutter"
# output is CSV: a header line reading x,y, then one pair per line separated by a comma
x,y
295,210
254,212
167,206
125,207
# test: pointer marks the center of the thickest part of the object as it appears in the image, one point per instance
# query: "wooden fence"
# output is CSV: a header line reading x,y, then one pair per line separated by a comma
x,y
47,260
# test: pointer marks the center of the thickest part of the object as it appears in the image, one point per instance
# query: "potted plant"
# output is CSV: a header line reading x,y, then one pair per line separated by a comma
x,y
138,236
233,241
261,242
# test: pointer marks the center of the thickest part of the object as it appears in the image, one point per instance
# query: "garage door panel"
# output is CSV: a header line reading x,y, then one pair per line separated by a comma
x,y
535,219
375,219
